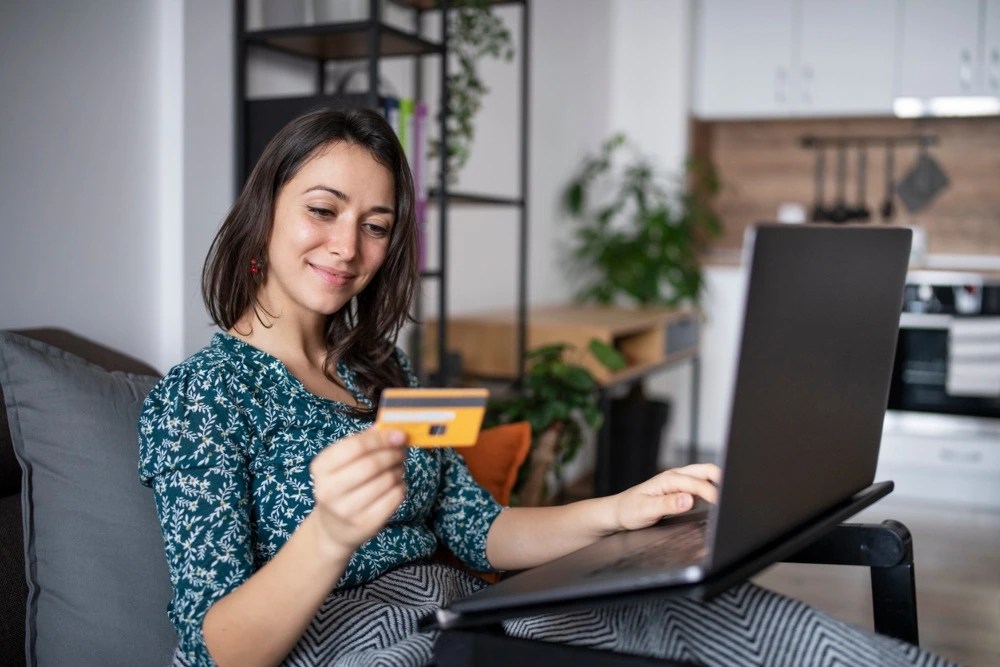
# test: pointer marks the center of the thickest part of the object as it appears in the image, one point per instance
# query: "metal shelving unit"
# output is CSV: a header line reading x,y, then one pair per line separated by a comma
x,y
257,120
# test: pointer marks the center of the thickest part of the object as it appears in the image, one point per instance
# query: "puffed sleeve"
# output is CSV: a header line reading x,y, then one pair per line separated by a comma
x,y
192,439
463,512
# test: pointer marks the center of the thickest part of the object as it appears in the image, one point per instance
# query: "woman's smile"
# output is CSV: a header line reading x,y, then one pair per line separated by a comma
x,y
333,276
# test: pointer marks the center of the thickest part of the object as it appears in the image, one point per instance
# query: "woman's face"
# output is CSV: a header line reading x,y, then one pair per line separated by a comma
x,y
331,231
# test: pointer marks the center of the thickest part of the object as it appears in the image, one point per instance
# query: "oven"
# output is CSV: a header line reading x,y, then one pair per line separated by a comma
x,y
941,439
948,352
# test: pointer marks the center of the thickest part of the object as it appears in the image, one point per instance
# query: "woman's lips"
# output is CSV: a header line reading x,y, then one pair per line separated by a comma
x,y
332,276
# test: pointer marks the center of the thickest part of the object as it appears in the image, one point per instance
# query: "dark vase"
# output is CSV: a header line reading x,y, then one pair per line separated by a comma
x,y
636,430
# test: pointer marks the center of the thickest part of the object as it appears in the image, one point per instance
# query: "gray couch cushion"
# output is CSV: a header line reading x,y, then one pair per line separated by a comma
x,y
97,576
15,591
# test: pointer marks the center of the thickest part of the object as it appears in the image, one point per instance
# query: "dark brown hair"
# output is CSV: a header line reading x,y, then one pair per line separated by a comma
x,y
363,332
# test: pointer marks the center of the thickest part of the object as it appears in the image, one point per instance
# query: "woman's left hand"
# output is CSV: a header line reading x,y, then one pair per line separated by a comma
x,y
670,492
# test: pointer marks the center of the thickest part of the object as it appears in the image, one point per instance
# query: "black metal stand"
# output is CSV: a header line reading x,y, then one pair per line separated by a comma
x,y
885,548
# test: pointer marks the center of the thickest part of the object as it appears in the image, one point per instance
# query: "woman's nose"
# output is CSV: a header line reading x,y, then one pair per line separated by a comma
x,y
343,240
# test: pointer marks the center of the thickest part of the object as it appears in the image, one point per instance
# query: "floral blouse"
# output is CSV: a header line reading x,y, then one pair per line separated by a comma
x,y
225,442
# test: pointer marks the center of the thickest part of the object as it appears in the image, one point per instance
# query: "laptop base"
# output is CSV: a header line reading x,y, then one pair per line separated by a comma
x,y
886,548
793,543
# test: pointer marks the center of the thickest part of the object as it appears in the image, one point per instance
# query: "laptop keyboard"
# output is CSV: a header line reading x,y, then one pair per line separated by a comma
x,y
683,545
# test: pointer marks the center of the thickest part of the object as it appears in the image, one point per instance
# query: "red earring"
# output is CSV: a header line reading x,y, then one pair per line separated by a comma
x,y
257,270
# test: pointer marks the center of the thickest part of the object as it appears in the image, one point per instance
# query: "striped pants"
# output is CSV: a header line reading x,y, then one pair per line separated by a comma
x,y
375,624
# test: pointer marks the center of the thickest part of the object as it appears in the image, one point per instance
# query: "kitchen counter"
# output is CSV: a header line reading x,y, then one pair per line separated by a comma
x,y
987,266
984,265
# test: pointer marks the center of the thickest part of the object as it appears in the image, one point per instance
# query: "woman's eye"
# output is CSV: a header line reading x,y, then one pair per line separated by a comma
x,y
377,230
320,212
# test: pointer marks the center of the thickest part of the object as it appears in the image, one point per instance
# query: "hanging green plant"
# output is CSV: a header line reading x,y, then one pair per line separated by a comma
x,y
643,244
474,33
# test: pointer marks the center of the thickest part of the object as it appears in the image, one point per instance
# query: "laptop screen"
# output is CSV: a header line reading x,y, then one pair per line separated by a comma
x,y
819,335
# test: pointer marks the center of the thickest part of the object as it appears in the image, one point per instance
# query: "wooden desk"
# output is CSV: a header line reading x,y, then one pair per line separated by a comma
x,y
651,339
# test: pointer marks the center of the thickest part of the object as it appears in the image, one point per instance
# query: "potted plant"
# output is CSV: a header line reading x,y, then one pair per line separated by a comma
x,y
639,247
558,398
474,32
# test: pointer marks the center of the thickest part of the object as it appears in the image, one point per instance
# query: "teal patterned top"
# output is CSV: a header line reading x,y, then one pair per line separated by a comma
x,y
225,442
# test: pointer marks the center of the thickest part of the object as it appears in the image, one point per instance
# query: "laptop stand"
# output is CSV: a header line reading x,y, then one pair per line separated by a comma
x,y
885,548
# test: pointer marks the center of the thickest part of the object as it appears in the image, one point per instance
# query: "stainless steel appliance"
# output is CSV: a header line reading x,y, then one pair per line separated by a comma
x,y
941,438
935,306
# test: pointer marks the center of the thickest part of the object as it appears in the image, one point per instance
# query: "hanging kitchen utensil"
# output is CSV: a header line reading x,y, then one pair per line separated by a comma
x,y
819,210
923,182
861,212
888,207
840,212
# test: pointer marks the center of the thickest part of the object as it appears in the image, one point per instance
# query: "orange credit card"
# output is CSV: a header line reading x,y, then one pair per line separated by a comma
x,y
434,417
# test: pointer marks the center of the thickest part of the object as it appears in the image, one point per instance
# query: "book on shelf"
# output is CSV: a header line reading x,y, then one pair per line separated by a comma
x,y
405,129
420,178
408,118
390,109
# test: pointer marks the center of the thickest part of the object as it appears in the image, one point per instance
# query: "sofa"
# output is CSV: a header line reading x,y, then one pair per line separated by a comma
x,y
81,559
82,568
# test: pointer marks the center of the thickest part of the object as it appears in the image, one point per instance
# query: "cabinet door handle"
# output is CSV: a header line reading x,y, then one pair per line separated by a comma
x,y
965,69
955,456
806,78
780,84
994,69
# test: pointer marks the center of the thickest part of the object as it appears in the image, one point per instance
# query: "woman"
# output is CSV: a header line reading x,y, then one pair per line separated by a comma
x,y
292,530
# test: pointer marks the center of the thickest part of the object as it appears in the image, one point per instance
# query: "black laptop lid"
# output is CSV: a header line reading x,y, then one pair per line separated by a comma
x,y
819,336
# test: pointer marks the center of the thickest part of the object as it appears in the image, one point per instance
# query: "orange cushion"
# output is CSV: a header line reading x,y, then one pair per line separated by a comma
x,y
497,456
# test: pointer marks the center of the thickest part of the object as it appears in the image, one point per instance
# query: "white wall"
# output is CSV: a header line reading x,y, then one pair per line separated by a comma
x,y
570,78
209,164
651,78
115,155
649,101
78,169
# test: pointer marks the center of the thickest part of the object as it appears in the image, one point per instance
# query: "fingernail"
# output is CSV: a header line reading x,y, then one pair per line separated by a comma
x,y
685,501
396,437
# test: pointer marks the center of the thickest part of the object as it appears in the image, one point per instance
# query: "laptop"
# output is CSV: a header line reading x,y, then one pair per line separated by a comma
x,y
819,334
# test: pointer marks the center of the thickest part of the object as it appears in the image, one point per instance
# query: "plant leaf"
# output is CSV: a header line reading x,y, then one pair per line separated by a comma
x,y
611,358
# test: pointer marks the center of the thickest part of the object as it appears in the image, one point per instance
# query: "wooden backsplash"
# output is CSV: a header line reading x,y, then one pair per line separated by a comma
x,y
762,164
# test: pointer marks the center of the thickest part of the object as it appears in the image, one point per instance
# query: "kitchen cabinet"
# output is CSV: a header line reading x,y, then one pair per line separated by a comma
x,y
932,458
780,58
743,57
943,50
846,57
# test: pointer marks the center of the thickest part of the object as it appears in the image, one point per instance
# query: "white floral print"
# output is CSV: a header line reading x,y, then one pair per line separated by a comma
x,y
225,442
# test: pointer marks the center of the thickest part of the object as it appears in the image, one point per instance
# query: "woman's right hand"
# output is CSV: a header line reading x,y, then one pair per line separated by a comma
x,y
357,485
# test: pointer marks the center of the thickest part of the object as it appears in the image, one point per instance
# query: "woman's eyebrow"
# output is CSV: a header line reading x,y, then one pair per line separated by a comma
x,y
336,193
343,197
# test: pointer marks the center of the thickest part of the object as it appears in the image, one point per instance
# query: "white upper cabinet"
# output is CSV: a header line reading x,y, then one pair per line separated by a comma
x,y
940,48
743,57
846,57
777,58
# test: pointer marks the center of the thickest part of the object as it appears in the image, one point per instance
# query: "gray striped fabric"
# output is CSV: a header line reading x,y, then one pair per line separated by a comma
x,y
375,625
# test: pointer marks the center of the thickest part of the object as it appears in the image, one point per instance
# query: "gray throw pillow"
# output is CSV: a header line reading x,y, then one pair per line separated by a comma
x,y
98,585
